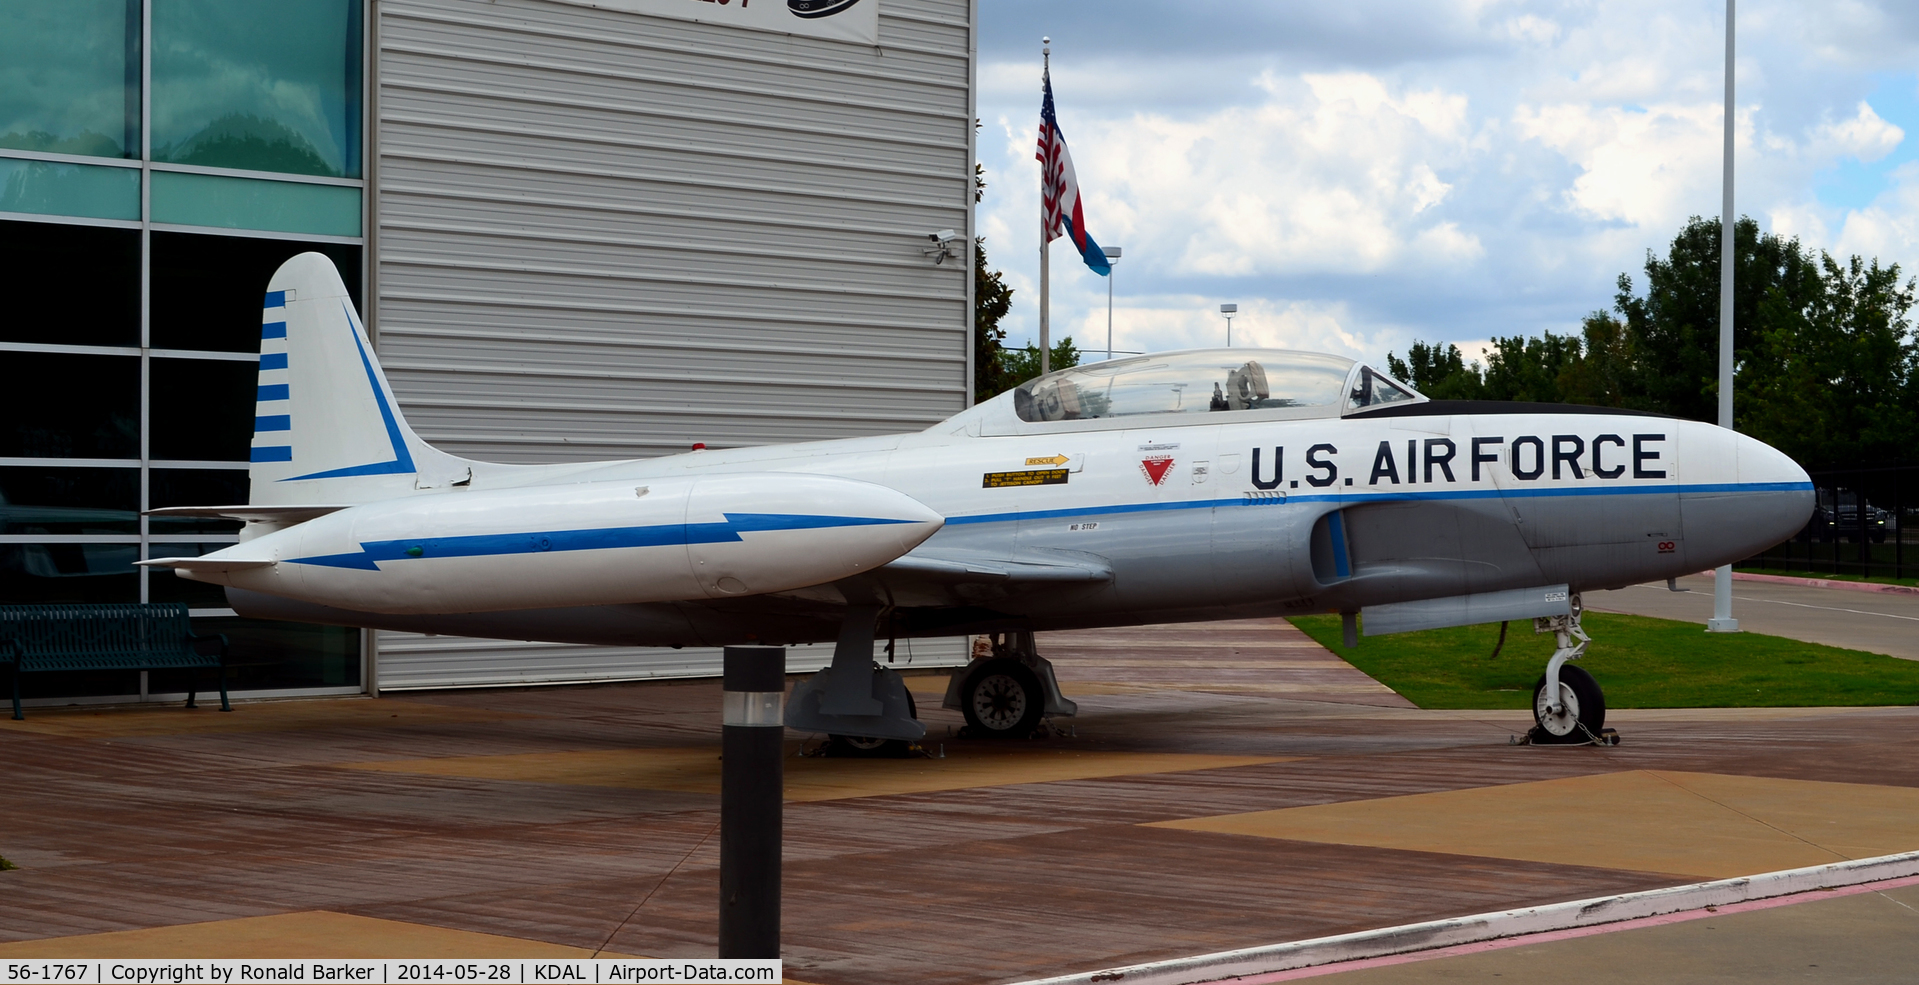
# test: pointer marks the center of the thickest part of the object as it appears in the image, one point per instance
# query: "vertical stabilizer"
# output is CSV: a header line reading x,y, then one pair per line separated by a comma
x,y
326,428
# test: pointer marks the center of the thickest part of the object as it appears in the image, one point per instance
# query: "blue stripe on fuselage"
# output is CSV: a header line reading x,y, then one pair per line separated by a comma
x,y
596,539
1388,497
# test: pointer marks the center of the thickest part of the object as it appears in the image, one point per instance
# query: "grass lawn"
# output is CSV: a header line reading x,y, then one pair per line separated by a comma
x,y
1640,662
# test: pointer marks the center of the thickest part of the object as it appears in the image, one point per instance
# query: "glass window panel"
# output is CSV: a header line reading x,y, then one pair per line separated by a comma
x,y
46,188
64,406
32,573
165,586
44,266
251,203
260,86
265,654
202,409
69,501
70,76
195,487
207,289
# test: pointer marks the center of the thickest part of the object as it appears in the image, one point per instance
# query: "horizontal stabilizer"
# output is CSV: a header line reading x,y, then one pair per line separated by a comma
x,y
1467,610
202,563
251,514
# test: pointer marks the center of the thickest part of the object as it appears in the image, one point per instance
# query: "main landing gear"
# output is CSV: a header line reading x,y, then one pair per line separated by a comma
x,y
868,711
1004,695
1568,706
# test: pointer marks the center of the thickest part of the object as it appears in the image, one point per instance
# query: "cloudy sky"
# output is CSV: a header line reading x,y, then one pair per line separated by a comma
x,y
1360,174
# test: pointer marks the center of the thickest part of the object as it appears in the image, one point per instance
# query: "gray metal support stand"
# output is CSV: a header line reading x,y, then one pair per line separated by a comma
x,y
851,690
751,777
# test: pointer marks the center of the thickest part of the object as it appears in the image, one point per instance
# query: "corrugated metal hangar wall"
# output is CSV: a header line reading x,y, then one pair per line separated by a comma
x,y
600,233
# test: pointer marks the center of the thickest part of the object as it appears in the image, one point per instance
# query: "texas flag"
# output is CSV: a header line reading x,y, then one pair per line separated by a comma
x,y
1059,188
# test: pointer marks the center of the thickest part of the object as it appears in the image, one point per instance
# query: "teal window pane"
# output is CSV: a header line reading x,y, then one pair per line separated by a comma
x,y
70,76
247,203
260,86
45,188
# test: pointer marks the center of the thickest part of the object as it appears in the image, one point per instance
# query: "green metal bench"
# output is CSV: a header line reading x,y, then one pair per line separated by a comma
x,y
133,636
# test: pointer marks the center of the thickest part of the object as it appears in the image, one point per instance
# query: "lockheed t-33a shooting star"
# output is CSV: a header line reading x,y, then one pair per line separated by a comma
x,y
1179,486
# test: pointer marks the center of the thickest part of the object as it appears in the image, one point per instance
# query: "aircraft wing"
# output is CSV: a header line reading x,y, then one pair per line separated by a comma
x,y
966,578
980,568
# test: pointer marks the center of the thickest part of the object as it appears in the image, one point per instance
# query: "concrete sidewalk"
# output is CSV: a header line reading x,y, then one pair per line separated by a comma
x,y
1876,623
1224,786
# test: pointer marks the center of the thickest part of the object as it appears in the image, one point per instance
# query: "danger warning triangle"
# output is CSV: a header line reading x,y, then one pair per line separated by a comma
x,y
1156,469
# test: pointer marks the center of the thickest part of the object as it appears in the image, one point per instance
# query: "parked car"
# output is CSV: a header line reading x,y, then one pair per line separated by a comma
x,y
1839,521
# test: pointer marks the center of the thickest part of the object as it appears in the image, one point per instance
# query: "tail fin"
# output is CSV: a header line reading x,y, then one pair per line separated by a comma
x,y
326,428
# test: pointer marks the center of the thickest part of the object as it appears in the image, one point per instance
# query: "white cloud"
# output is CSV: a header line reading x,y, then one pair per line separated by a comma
x,y
1493,182
1641,166
1889,227
1331,172
1864,136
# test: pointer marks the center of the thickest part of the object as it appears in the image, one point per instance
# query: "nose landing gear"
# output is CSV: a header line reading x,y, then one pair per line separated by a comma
x,y
1568,706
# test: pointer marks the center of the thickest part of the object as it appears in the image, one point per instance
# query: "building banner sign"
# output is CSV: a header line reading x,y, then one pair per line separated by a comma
x,y
857,21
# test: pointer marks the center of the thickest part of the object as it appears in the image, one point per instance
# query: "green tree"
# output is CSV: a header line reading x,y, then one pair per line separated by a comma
x,y
1023,364
1837,381
1442,374
1521,368
1674,327
992,299
1826,360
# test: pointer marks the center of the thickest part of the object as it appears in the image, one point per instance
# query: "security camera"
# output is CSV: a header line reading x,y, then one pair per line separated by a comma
x,y
944,236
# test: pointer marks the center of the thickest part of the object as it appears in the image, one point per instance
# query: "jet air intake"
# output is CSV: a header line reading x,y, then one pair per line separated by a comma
x,y
590,543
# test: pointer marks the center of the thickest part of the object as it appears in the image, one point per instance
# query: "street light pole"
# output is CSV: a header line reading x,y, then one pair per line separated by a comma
x,y
1229,310
1112,260
1722,620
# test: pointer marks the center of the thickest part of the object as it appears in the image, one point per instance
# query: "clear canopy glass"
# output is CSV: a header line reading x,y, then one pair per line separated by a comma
x,y
1374,389
1201,382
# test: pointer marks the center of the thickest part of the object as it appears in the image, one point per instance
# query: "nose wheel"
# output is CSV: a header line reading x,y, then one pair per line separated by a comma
x,y
1568,706
1580,715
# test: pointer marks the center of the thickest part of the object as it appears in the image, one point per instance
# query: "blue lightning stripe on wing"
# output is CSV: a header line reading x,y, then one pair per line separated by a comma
x,y
598,539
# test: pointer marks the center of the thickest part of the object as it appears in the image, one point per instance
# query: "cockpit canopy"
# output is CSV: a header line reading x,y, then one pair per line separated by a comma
x,y
1204,381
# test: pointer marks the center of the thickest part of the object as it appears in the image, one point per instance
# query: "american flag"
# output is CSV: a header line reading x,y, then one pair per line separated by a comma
x,y
1059,187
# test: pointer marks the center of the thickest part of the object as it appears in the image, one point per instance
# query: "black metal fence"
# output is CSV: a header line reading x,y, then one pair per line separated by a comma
x,y
1866,524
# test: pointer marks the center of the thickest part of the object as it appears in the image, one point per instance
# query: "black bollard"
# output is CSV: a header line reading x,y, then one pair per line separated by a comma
x,y
751,776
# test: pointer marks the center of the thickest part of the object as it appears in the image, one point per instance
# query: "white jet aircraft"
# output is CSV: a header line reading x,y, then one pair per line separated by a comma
x,y
1179,486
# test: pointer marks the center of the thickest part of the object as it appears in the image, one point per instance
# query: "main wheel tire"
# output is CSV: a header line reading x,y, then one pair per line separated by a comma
x,y
866,747
1583,704
1002,699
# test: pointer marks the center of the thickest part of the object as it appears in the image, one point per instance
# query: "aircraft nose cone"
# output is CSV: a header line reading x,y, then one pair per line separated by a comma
x,y
1782,490
1740,497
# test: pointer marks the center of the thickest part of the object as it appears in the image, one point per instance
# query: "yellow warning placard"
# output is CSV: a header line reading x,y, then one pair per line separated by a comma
x,y
1032,477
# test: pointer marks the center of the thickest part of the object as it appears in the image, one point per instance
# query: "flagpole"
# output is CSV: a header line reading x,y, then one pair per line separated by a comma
x,y
1045,279
1722,620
